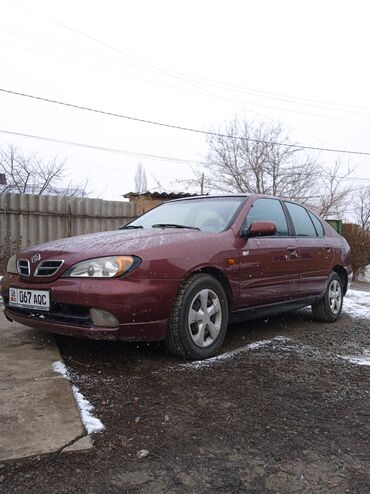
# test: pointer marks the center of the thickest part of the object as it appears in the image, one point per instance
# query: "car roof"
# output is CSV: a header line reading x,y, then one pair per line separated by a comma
x,y
223,196
213,196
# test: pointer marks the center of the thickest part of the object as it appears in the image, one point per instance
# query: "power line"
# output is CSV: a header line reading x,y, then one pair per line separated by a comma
x,y
132,153
195,81
202,92
217,85
103,43
199,90
185,129
190,79
101,148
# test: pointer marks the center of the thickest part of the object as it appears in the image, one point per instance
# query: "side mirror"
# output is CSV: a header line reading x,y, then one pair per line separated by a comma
x,y
260,229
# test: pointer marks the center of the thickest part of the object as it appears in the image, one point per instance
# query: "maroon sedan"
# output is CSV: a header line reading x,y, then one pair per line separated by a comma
x,y
181,272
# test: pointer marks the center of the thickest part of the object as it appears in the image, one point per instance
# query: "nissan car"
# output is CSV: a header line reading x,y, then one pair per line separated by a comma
x,y
182,272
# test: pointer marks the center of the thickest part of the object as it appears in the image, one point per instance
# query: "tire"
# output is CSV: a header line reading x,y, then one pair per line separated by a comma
x,y
329,308
194,333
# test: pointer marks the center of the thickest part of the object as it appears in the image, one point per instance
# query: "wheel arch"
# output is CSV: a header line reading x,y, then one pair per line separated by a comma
x,y
220,276
342,273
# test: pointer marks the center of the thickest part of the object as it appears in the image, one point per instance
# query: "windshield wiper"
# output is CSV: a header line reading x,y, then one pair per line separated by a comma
x,y
173,225
130,227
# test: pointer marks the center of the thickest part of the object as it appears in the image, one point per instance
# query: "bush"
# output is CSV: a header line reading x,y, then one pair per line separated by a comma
x,y
359,241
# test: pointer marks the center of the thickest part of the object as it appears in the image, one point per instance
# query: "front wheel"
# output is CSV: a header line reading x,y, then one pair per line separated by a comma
x,y
329,308
198,323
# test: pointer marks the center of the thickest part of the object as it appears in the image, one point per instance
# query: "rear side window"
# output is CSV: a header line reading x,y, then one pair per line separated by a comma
x,y
302,222
318,225
268,210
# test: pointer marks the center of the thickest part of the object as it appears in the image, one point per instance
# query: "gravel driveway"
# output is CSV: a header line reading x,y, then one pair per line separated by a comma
x,y
285,408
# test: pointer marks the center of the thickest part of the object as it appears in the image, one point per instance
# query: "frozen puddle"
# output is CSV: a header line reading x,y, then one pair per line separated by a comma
x,y
92,424
357,304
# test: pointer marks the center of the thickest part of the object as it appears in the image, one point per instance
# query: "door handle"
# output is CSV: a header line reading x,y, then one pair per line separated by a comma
x,y
292,251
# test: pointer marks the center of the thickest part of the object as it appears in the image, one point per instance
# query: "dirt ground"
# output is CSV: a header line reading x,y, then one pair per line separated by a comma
x,y
287,416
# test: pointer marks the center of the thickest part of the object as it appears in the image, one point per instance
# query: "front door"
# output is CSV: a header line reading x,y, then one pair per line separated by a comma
x,y
269,266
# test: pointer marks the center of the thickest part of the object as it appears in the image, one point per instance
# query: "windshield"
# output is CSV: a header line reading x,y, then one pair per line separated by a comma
x,y
210,215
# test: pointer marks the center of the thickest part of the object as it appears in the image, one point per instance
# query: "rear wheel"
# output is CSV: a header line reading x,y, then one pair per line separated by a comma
x,y
198,323
329,308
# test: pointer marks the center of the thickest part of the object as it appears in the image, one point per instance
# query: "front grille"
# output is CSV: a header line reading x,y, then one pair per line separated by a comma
x,y
48,268
23,266
76,315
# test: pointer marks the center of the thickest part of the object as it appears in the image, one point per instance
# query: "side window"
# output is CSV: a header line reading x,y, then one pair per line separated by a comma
x,y
268,210
318,225
302,223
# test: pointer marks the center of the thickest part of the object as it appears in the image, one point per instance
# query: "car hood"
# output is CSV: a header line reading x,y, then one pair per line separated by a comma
x,y
119,242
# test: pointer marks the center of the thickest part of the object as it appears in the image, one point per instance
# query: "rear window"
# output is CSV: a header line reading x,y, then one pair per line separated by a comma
x,y
302,222
318,225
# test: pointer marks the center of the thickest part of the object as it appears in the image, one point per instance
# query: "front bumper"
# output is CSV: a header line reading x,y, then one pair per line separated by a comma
x,y
142,307
148,331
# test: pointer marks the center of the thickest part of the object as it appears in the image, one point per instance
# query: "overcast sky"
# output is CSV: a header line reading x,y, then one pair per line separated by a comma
x,y
188,63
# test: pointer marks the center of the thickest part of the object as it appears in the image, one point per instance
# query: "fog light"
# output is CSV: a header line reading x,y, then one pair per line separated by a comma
x,y
103,318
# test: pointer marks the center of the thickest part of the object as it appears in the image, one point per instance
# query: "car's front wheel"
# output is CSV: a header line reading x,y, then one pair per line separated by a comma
x,y
329,308
198,323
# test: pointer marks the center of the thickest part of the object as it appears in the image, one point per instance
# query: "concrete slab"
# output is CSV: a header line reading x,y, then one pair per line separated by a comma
x,y
38,413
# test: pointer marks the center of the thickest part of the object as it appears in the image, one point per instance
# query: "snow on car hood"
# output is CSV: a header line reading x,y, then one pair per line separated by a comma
x,y
119,242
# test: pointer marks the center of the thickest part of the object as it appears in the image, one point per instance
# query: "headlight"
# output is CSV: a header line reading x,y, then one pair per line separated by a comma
x,y
103,267
12,265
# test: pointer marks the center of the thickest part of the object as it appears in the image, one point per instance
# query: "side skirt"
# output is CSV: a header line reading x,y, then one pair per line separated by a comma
x,y
272,309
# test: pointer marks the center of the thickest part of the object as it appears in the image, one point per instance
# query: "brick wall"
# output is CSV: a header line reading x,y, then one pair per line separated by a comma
x,y
144,203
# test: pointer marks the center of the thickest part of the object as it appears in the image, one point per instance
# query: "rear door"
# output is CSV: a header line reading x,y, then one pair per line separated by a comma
x,y
269,266
315,252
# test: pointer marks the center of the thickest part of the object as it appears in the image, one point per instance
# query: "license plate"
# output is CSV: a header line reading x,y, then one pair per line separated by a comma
x,y
29,299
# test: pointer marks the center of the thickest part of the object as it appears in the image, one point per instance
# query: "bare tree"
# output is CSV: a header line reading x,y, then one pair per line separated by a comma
x,y
141,183
361,203
334,194
262,161
261,158
34,175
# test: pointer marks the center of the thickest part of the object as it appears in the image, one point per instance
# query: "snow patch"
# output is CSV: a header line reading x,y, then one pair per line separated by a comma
x,y
197,364
92,424
61,369
359,360
357,304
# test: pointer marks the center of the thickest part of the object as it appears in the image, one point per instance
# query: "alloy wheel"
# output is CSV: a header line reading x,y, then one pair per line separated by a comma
x,y
335,296
205,318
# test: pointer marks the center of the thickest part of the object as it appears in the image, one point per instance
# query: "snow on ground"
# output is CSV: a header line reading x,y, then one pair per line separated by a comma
x,y
357,304
92,424
361,360
231,355
60,368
